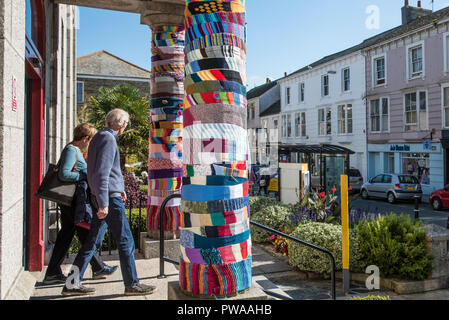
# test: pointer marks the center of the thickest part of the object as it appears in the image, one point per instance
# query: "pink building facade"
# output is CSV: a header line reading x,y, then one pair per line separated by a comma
x,y
407,95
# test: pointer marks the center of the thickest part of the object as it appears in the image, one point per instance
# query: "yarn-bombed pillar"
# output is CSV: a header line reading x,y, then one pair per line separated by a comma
x,y
165,147
215,237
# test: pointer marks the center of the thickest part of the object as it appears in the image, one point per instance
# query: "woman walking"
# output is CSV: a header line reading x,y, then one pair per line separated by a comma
x,y
73,168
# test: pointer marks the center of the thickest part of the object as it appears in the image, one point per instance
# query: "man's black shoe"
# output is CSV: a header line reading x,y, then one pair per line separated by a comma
x,y
77,291
139,289
106,271
56,279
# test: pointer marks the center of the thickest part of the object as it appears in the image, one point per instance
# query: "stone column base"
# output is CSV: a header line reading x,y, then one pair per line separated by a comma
x,y
150,247
253,293
168,235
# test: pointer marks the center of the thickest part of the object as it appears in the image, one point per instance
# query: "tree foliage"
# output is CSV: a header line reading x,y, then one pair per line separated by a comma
x,y
134,141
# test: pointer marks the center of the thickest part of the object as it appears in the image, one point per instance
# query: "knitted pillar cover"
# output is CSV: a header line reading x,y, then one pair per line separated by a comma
x,y
165,150
215,236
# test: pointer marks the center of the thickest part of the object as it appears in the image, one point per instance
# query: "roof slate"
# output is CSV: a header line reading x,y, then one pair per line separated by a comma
x,y
274,109
260,90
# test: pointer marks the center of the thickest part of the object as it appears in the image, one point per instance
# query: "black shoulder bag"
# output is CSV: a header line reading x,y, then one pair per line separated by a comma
x,y
53,189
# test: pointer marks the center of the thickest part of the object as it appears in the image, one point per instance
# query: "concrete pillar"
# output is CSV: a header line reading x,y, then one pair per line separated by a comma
x,y
166,105
215,236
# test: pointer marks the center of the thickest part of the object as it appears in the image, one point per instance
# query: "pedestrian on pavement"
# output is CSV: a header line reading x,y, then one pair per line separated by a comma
x,y
72,168
108,197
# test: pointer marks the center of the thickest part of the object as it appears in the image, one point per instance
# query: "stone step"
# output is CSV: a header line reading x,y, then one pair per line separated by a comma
x,y
23,287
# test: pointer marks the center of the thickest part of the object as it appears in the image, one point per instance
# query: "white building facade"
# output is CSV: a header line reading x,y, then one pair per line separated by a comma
x,y
324,104
259,100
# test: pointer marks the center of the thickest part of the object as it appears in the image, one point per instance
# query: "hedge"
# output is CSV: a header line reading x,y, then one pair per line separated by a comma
x,y
327,236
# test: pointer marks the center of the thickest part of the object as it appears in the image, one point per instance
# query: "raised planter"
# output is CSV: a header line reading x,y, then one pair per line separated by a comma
x,y
437,243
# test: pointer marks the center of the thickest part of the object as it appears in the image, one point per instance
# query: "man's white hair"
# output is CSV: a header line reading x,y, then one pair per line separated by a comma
x,y
116,118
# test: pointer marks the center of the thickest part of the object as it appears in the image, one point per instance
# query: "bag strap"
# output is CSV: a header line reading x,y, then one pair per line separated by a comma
x,y
59,162
76,162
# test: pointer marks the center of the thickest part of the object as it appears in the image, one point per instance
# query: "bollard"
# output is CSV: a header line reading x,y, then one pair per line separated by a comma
x,y
416,207
345,232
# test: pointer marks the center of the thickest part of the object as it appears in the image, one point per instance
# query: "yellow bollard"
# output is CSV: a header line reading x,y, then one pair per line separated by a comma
x,y
345,231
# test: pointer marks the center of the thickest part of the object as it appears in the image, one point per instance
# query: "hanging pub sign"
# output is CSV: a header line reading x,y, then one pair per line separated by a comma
x,y
14,94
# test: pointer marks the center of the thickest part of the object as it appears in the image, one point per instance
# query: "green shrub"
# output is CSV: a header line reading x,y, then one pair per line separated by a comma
x,y
257,203
396,244
272,216
327,236
135,222
144,189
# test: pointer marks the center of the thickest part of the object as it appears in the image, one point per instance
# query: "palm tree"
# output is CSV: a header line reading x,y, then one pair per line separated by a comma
x,y
134,141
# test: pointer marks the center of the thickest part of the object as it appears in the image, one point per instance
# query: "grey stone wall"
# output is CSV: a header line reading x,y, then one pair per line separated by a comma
x,y
103,63
59,120
60,96
91,87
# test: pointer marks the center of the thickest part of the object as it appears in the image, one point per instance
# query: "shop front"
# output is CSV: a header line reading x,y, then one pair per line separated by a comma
x,y
424,160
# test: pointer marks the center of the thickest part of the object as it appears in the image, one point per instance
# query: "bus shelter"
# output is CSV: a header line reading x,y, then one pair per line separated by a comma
x,y
326,163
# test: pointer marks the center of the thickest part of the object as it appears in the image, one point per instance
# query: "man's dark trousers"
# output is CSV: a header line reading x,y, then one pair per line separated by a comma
x,y
118,224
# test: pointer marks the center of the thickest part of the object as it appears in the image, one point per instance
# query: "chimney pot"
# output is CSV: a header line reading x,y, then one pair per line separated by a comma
x,y
411,13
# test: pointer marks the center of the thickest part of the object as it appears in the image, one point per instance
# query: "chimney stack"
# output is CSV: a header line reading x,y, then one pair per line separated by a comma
x,y
268,80
411,13
285,74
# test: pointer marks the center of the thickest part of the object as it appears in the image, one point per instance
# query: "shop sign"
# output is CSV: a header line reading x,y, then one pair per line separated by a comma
x,y
396,147
427,145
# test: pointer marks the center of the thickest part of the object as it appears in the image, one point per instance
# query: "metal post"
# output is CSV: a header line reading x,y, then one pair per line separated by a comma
x,y
161,241
138,224
130,208
345,231
162,258
416,210
109,242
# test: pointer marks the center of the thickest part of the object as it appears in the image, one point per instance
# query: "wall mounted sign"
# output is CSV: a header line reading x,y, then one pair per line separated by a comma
x,y
14,94
396,147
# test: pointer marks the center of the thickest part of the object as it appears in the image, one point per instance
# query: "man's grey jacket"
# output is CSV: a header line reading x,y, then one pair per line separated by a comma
x,y
103,167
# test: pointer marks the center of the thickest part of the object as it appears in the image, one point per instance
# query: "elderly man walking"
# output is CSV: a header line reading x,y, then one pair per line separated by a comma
x,y
108,196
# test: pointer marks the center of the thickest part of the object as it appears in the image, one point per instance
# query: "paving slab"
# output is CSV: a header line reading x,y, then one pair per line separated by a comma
x,y
266,263
270,273
112,288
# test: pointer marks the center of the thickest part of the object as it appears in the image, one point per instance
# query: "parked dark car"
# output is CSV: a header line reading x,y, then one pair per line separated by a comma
x,y
392,187
439,199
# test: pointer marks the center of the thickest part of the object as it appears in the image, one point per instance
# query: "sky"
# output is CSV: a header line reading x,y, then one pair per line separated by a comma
x,y
282,35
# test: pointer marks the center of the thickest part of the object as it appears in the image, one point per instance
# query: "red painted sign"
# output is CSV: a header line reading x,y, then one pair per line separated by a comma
x,y
14,94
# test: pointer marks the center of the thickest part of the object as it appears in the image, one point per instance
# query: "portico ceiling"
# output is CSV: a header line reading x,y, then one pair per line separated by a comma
x,y
153,12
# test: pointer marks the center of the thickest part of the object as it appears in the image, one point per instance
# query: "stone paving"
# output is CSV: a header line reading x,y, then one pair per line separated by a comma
x,y
270,272
112,288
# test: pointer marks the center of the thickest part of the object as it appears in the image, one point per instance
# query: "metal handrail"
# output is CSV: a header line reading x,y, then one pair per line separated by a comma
x,y
333,291
162,258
